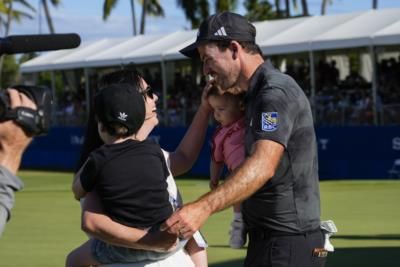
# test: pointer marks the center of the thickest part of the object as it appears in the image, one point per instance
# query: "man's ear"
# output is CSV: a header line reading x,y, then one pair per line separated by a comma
x,y
235,48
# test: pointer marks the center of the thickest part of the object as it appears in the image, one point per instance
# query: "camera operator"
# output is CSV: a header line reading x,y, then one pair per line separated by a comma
x,y
13,142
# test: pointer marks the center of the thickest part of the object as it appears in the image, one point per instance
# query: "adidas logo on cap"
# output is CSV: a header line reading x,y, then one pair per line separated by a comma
x,y
221,32
122,116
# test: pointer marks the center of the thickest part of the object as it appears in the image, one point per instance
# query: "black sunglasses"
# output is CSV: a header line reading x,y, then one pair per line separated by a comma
x,y
148,92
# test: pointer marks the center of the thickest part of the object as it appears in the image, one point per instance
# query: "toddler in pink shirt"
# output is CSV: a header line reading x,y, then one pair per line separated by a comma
x,y
228,149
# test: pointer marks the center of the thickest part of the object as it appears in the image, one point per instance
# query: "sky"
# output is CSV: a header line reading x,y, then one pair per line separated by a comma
x,y
85,17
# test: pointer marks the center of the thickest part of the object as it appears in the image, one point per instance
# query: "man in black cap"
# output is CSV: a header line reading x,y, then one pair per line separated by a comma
x,y
278,181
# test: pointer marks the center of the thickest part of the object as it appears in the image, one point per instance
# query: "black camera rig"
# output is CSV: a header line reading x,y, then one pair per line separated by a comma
x,y
33,122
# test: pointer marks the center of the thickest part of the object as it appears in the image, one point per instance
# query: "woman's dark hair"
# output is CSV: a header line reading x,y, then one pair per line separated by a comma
x,y
92,139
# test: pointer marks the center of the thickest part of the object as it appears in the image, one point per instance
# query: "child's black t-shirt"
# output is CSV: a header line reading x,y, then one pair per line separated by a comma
x,y
130,178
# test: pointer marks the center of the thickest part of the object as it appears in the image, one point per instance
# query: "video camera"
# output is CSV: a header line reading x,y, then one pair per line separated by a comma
x,y
33,122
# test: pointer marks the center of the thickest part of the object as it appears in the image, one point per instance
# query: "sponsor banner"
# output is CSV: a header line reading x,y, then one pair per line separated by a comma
x,y
343,152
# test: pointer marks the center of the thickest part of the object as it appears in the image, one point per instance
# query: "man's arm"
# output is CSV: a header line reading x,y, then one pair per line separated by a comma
x,y
97,224
185,155
256,170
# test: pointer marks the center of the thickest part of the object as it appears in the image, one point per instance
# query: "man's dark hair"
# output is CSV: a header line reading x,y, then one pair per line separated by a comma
x,y
249,47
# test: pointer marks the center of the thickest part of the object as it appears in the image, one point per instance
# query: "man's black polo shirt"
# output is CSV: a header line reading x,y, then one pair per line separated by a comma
x,y
278,110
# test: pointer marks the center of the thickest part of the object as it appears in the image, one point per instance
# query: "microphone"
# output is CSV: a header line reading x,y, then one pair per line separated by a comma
x,y
41,42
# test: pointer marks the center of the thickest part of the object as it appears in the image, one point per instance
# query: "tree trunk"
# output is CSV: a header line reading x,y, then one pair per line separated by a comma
x,y
278,8
133,18
48,17
323,7
304,6
287,3
143,18
375,4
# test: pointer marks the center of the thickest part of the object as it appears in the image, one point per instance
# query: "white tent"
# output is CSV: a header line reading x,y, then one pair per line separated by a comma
x,y
153,52
114,55
388,36
298,38
360,29
357,32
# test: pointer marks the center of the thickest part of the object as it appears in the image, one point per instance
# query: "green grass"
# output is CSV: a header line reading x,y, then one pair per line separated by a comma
x,y
45,223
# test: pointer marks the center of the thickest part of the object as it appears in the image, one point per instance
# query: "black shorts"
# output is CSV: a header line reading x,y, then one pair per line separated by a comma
x,y
279,249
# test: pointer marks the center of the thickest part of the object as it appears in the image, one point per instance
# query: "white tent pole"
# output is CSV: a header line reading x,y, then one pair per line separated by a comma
x,y
164,89
87,92
312,81
374,88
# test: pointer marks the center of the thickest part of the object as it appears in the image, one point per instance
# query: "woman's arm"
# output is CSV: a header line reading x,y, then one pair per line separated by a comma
x,y
77,187
185,155
98,225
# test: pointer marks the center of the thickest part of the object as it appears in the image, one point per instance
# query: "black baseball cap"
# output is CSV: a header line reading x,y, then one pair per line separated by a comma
x,y
219,27
120,103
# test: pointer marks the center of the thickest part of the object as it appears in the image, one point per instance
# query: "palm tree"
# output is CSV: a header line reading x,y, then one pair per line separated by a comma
x,y
151,7
109,5
49,20
7,15
195,11
259,10
287,10
225,5
198,10
304,6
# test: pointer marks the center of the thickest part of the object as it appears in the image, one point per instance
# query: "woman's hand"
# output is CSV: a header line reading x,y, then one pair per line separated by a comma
x,y
204,101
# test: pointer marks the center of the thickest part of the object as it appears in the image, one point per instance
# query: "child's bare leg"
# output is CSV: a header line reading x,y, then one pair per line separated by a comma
x,y
81,256
196,253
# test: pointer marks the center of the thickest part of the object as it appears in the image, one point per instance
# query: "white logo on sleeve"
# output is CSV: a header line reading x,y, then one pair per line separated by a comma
x,y
221,32
269,121
122,116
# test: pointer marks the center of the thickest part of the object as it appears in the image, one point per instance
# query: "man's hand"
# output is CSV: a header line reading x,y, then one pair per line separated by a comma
x,y
187,220
13,140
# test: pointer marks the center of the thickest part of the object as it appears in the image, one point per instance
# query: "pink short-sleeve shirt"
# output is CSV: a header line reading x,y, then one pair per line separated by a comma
x,y
228,144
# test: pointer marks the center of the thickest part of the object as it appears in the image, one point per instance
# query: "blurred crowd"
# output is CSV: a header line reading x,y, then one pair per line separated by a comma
x,y
349,101
336,102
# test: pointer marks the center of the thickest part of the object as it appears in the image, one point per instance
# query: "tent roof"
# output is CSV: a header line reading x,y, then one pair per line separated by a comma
x,y
360,29
298,37
388,36
356,32
114,55
153,52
